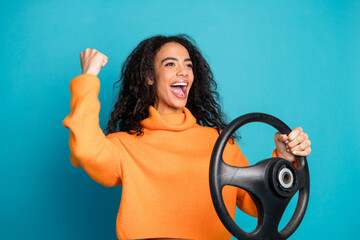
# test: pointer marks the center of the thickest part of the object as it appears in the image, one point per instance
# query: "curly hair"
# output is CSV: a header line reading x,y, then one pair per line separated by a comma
x,y
136,95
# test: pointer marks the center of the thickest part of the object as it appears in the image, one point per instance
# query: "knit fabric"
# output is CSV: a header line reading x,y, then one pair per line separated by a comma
x,y
164,173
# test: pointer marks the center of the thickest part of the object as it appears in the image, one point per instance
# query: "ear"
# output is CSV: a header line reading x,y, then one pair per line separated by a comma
x,y
150,80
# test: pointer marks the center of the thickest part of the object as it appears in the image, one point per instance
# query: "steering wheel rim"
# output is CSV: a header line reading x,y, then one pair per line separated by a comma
x,y
270,199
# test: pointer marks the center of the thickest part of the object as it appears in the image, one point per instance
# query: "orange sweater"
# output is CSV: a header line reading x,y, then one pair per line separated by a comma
x,y
164,173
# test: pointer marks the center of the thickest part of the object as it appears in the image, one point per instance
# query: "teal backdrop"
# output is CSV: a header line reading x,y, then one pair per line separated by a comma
x,y
296,60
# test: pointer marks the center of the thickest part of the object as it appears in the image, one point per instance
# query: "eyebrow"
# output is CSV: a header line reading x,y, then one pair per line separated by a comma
x,y
175,59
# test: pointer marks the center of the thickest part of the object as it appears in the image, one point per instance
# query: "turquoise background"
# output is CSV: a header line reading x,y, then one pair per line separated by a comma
x,y
296,60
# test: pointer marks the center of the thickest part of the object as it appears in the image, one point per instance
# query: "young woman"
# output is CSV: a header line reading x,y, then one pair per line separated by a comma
x,y
160,139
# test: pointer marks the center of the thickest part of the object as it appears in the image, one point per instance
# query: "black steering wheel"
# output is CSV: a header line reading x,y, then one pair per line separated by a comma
x,y
271,183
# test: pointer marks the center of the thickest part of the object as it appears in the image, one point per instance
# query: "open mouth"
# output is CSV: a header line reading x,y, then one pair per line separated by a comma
x,y
179,89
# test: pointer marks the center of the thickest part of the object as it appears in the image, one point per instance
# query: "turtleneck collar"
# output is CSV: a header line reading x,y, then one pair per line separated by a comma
x,y
170,121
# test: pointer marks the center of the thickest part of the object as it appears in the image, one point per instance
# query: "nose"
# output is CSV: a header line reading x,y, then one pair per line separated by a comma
x,y
182,70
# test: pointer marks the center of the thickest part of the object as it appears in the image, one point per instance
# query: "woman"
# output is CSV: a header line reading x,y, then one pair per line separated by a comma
x,y
161,134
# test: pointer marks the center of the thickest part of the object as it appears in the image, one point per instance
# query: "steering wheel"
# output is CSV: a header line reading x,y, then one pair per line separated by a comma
x,y
271,183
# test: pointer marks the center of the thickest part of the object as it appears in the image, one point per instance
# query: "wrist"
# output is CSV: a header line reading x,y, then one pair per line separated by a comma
x,y
285,155
95,73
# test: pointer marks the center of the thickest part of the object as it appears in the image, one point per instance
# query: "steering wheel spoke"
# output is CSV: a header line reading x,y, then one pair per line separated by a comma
x,y
269,219
249,178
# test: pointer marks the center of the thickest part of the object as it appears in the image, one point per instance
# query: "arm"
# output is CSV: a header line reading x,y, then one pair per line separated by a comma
x,y
90,148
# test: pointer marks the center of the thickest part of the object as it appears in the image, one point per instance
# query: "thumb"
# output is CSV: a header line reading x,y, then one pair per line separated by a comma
x,y
105,60
281,137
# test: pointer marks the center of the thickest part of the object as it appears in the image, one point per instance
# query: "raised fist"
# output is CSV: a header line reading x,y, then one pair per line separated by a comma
x,y
92,61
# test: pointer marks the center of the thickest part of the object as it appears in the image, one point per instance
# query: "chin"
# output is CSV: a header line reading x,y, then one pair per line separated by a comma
x,y
178,104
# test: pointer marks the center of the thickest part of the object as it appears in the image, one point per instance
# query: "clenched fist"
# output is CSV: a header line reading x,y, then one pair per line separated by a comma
x,y
92,61
296,143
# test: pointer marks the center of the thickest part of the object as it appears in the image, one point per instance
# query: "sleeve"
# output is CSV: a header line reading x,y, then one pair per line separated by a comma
x,y
90,148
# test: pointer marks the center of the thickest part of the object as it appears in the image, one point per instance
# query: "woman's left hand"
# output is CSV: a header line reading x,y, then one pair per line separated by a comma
x,y
296,143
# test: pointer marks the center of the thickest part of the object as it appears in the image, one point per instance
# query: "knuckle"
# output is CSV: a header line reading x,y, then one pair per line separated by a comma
x,y
291,136
293,144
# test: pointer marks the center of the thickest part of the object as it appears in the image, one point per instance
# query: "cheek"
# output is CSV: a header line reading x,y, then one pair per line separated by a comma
x,y
191,78
161,86
161,83
164,77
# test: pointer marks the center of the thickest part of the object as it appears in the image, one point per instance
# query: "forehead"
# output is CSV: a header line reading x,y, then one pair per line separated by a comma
x,y
172,49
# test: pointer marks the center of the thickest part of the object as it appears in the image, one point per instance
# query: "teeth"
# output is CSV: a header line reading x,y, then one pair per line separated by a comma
x,y
179,84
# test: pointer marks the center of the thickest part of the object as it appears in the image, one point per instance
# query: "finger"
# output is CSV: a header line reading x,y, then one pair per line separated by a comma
x,y
294,133
304,153
285,138
302,146
298,140
86,53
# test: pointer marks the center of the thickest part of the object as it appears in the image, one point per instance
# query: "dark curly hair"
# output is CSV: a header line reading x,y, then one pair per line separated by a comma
x,y
136,95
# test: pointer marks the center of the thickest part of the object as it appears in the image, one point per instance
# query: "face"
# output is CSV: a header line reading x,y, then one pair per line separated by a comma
x,y
174,77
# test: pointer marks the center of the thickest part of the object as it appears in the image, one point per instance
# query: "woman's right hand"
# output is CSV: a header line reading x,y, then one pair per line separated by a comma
x,y
92,61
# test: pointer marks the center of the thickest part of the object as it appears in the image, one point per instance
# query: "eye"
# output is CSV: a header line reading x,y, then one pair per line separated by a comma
x,y
190,65
169,64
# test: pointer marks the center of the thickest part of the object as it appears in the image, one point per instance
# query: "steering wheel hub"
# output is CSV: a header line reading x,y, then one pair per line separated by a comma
x,y
283,178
